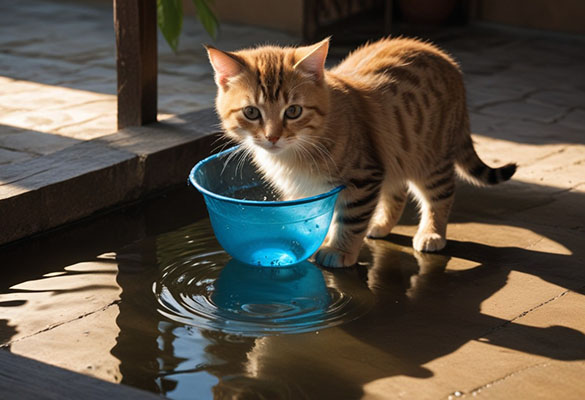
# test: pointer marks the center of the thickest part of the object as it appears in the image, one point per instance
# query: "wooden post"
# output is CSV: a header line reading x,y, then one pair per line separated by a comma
x,y
136,30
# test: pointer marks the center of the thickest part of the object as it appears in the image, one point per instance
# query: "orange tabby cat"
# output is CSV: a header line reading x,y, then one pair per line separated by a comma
x,y
392,116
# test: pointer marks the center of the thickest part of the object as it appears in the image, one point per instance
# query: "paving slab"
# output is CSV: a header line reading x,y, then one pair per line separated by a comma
x,y
86,339
61,289
521,110
545,378
537,381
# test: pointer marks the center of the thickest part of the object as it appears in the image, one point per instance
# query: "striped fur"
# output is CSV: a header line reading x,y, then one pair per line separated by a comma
x,y
390,118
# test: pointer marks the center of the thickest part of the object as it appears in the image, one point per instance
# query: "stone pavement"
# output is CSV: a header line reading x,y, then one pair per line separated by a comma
x,y
58,74
513,322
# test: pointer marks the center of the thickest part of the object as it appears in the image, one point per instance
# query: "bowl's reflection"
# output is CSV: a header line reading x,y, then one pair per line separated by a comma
x,y
249,300
271,294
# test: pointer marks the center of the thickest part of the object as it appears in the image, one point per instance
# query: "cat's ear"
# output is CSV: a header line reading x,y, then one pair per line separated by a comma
x,y
312,58
225,65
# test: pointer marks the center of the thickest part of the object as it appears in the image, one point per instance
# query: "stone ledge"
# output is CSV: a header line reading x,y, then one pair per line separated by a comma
x,y
22,378
90,176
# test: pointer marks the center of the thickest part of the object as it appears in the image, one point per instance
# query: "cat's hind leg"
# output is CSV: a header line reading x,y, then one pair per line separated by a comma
x,y
389,209
435,194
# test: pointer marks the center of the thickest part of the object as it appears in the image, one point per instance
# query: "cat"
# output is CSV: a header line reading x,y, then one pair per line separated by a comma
x,y
389,119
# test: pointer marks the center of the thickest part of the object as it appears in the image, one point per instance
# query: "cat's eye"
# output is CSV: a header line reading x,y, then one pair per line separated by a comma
x,y
293,112
251,113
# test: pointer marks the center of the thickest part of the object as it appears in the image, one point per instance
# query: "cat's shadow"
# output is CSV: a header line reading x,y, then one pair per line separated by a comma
x,y
450,301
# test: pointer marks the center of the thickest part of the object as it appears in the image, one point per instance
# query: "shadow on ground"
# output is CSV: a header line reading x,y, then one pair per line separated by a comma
x,y
423,312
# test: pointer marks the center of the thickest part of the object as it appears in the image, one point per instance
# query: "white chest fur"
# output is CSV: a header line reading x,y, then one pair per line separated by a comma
x,y
289,177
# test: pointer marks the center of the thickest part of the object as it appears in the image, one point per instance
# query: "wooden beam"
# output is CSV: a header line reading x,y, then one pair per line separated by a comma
x,y
136,48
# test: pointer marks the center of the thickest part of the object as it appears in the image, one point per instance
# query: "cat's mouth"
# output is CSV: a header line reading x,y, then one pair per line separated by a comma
x,y
272,147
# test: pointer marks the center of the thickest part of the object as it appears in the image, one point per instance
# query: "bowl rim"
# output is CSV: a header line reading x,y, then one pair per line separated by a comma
x,y
270,203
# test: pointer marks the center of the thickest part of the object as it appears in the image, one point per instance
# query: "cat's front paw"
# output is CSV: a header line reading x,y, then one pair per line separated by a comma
x,y
332,258
428,242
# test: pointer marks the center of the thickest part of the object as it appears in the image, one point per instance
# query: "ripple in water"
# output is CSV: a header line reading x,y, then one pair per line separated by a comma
x,y
211,291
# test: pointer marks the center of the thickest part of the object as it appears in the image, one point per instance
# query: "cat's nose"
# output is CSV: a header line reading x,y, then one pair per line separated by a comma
x,y
273,139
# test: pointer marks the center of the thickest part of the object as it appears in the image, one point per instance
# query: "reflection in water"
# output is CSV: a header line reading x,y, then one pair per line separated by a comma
x,y
412,310
407,315
273,295
210,310
250,300
393,318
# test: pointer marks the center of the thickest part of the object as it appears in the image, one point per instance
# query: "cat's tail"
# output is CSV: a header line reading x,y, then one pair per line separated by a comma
x,y
471,168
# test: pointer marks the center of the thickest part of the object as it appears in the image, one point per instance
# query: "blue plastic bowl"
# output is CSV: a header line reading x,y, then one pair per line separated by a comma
x,y
248,220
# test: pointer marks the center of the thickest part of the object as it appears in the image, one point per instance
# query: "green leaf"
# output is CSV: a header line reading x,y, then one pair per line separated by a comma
x,y
170,20
207,17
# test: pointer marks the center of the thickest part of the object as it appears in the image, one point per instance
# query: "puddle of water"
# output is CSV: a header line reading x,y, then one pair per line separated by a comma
x,y
191,316
147,298
209,290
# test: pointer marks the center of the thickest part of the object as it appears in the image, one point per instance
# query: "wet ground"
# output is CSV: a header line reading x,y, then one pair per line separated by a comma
x,y
146,297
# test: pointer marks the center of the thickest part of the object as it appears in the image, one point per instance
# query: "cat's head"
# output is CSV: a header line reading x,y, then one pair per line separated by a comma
x,y
272,98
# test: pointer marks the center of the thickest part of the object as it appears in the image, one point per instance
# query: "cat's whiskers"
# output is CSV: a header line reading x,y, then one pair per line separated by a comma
x,y
322,152
306,151
245,154
221,146
243,151
327,159
306,144
231,156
